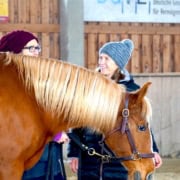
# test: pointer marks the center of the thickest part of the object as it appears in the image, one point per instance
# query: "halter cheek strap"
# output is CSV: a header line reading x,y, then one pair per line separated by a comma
x,y
125,114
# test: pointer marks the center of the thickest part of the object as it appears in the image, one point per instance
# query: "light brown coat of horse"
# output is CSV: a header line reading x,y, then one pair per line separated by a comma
x,y
40,97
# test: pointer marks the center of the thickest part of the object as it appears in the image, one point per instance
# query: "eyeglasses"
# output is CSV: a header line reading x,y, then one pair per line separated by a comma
x,y
33,48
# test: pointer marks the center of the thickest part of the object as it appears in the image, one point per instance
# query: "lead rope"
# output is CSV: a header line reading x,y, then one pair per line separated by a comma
x,y
61,162
101,165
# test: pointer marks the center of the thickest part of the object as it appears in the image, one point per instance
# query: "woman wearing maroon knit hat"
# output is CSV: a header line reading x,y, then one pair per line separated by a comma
x,y
20,42
27,44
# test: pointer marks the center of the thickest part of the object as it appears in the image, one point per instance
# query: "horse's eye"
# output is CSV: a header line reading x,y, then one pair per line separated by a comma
x,y
142,127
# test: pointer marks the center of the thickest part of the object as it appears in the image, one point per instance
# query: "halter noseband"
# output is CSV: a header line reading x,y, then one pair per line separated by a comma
x,y
136,155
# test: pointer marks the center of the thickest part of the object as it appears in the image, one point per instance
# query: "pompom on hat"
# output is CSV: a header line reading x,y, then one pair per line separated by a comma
x,y
120,52
15,41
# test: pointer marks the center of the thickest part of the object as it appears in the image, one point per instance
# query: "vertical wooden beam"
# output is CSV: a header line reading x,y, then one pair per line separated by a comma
x,y
92,51
136,55
46,36
35,14
176,53
146,54
54,37
167,51
167,61
157,54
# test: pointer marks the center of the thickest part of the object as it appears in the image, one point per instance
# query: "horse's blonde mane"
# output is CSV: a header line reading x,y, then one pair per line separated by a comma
x,y
75,94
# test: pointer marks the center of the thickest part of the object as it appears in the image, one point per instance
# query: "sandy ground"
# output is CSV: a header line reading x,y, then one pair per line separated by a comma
x,y
170,170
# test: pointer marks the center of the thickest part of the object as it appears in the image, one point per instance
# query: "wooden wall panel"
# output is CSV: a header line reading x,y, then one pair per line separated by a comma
x,y
45,36
157,54
167,60
157,47
146,53
41,17
92,45
176,53
136,55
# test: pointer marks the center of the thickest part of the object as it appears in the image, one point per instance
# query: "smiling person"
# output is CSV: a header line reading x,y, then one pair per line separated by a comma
x,y
23,42
113,58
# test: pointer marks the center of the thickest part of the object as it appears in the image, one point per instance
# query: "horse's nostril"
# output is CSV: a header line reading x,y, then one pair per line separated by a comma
x,y
137,175
149,176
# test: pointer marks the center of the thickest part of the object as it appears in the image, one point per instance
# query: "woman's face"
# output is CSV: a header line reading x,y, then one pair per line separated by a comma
x,y
107,65
32,48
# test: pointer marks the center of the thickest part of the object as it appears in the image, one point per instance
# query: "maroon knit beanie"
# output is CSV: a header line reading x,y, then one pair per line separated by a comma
x,y
15,41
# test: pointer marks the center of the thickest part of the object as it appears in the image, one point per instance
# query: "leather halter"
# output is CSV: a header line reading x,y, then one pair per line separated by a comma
x,y
109,156
124,128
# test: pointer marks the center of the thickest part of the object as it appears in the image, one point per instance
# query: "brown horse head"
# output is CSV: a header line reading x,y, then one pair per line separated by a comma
x,y
131,138
39,97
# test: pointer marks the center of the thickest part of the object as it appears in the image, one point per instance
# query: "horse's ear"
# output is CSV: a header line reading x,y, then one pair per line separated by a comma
x,y
142,92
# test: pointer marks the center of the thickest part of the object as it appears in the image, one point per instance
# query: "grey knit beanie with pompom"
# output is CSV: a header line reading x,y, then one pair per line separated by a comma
x,y
120,51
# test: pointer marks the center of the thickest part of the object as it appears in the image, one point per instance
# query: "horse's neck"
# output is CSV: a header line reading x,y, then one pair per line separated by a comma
x,y
12,86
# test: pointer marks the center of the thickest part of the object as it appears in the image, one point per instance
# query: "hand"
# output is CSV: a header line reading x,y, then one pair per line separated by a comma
x,y
74,162
64,138
157,160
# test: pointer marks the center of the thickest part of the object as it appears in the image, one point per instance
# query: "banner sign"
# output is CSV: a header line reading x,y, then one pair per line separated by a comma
x,y
150,11
3,10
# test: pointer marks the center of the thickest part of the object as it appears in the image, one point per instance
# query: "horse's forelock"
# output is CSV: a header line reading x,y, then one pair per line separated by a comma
x,y
6,56
82,96
147,109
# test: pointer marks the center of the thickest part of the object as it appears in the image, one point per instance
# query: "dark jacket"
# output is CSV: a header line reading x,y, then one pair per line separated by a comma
x,y
41,167
91,167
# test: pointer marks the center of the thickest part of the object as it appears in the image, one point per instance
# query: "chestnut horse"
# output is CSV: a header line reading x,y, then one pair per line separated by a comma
x,y
40,97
